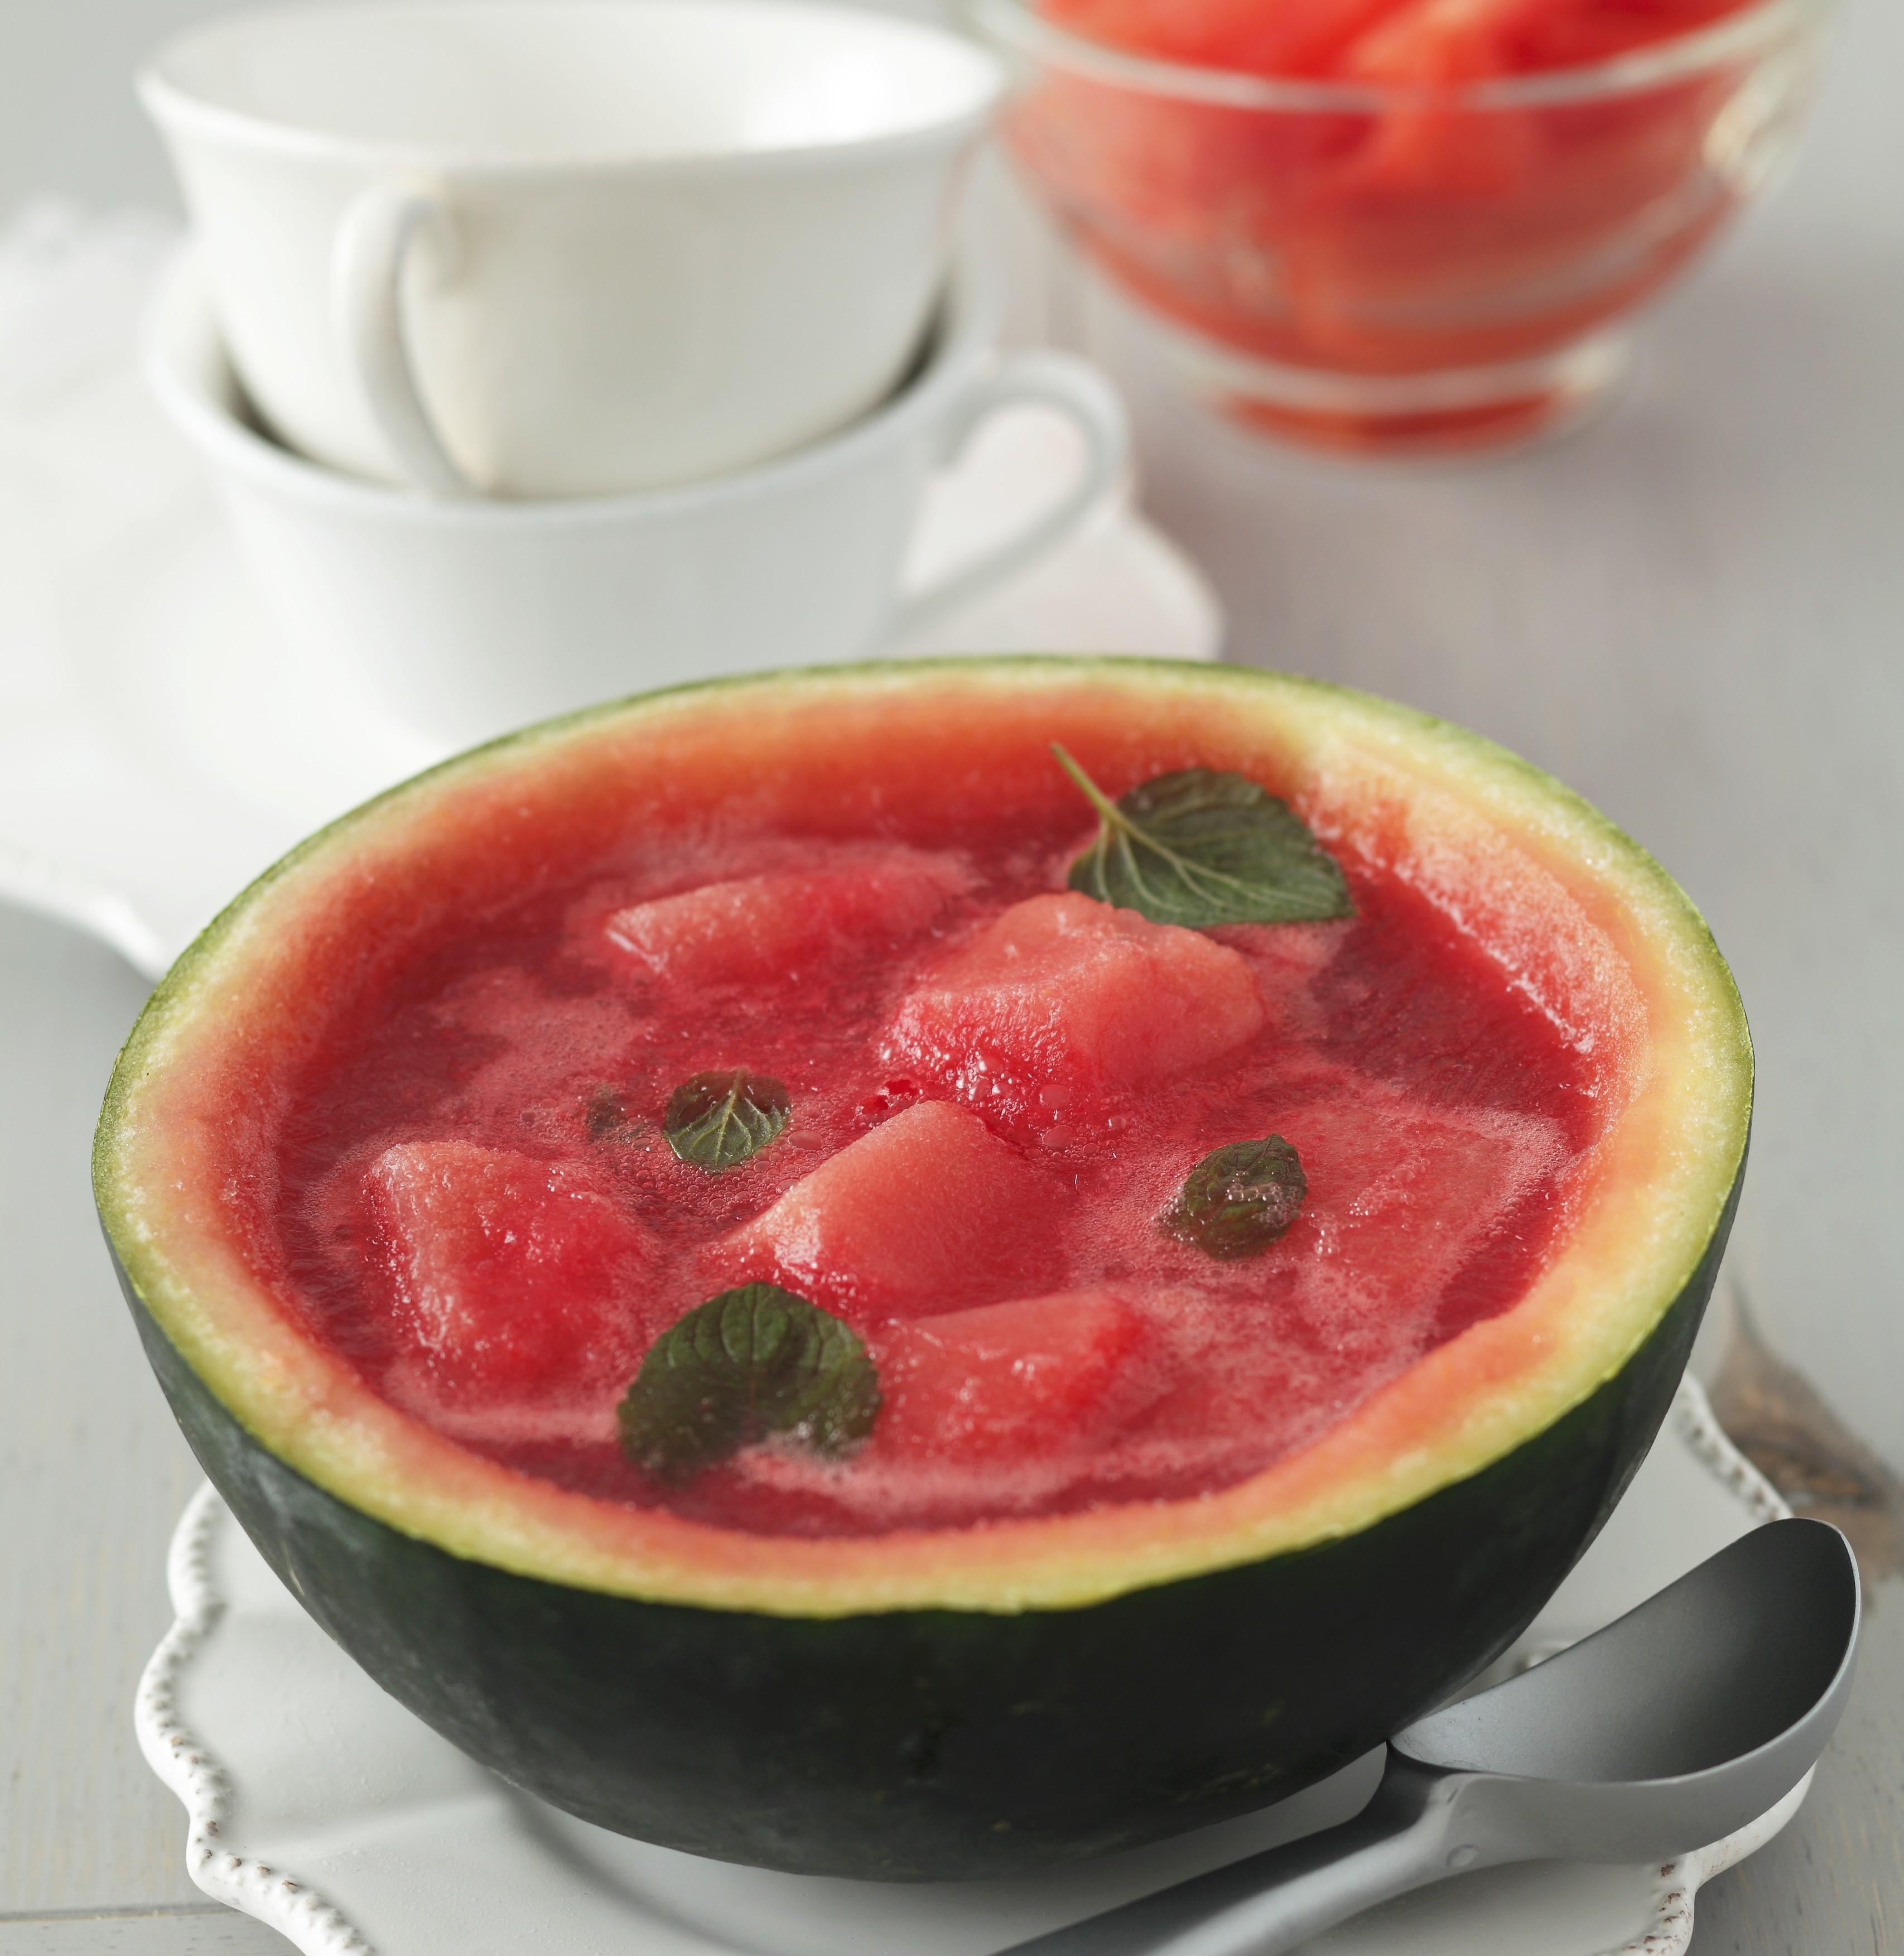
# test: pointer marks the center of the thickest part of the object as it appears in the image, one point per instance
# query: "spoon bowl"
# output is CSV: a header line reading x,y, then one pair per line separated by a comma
x,y
1671,1727
1679,1723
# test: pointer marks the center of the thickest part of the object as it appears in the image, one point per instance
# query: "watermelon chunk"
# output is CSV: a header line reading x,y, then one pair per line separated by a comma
x,y
1402,1194
514,1279
1064,1000
1307,38
1436,41
776,925
1031,1377
928,1212
1412,40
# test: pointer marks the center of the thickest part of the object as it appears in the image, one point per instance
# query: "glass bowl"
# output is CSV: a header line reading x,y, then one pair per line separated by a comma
x,y
1390,269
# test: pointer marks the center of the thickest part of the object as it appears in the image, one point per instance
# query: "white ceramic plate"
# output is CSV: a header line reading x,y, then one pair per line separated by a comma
x,y
160,741
319,1805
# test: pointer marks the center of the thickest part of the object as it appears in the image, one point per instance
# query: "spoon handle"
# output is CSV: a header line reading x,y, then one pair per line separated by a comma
x,y
1276,1901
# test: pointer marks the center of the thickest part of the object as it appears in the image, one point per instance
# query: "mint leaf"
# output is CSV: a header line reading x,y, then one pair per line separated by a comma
x,y
1236,1201
745,1365
717,1120
1199,847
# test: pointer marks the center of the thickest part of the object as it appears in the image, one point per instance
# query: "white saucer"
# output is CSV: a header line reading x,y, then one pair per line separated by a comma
x,y
160,741
320,1806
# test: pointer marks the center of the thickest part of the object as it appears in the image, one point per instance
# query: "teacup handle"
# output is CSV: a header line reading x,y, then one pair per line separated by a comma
x,y
373,239
1089,401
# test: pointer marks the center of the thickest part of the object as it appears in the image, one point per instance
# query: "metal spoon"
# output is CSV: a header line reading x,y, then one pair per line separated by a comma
x,y
1669,1729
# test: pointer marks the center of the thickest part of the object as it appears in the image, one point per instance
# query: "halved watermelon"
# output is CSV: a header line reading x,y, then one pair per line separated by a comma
x,y
1412,1431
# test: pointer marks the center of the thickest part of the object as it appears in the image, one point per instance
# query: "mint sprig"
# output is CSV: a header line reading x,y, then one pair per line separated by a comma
x,y
745,1365
1200,848
1239,1199
719,1119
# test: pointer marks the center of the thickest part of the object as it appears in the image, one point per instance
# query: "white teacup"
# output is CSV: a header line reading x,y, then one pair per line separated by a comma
x,y
466,618
569,247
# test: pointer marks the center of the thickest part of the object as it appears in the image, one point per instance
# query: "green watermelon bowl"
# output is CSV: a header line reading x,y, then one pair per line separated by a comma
x,y
922,1271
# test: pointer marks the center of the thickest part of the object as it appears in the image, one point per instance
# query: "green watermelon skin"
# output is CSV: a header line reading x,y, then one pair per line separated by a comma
x,y
936,1744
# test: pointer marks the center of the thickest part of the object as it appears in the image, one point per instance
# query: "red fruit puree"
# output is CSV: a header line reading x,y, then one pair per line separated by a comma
x,y
998,1087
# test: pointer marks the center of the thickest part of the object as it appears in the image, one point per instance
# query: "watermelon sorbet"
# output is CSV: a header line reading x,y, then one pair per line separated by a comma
x,y
959,1103
1391,224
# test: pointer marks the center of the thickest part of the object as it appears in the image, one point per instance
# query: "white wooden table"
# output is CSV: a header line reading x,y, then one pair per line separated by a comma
x,y
1693,611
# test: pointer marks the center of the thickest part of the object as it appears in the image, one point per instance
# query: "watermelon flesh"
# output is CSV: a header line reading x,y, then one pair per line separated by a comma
x,y
930,1205
513,1278
998,1087
1012,1381
776,925
1417,40
1063,1001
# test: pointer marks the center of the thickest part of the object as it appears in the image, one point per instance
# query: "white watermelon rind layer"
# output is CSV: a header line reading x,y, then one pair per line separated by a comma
x,y
1588,922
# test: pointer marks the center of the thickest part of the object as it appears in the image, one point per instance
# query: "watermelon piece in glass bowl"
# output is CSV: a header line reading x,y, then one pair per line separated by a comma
x,y
1394,226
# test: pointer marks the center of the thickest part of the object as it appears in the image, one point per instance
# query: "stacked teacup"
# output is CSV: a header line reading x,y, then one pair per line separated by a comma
x,y
547,350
